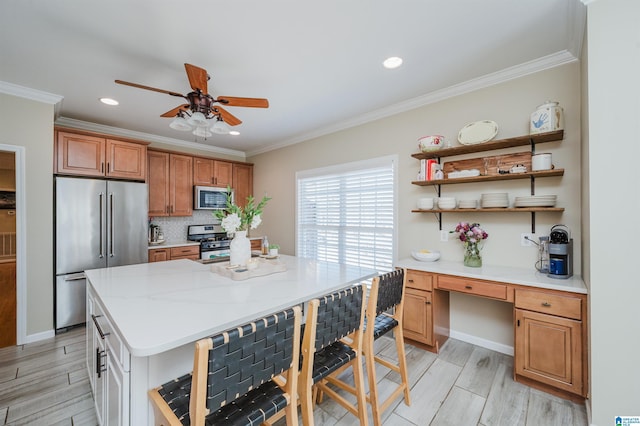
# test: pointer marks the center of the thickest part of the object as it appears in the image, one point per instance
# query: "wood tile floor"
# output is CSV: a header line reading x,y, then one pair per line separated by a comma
x,y
45,383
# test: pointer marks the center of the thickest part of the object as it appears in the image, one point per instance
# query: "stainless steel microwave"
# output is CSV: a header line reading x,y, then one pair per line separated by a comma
x,y
210,198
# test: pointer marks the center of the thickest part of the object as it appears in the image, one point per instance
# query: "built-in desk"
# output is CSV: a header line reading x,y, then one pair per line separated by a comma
x,y
550,318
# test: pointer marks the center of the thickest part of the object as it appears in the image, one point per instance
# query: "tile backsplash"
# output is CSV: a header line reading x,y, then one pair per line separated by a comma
x,y
175,228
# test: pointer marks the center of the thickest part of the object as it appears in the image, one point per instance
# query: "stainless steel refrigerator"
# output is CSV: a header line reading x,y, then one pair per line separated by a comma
x,y
99,224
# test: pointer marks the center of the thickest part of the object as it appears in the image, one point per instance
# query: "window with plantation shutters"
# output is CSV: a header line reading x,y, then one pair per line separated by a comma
x,y
346,214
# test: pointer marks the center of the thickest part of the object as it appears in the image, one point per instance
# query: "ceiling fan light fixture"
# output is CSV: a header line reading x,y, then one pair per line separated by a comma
x,y
220,127
202,132
180,123
198,119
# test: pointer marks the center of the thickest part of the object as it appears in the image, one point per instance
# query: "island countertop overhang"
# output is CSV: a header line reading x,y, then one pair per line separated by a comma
x,y
156,307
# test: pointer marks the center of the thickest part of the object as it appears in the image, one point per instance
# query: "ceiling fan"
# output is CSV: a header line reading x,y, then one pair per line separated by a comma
x,y
202,106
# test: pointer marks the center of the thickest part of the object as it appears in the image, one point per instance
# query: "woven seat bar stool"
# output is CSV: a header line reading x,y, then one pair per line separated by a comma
x,y
242,376
332,342
386,294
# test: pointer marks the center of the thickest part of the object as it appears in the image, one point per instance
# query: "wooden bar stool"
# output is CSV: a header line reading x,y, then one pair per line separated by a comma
x,y
332,342
238,377
386,294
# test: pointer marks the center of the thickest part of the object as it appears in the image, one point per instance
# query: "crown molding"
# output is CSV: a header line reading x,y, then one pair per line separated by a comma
x,y
32,94
544,63
117,131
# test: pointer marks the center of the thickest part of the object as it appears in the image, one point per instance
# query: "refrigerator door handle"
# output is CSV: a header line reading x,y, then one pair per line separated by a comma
x,y
111,219
75,277
101,225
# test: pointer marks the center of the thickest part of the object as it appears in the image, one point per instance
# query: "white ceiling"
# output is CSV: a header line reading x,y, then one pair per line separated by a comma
x,y
318,63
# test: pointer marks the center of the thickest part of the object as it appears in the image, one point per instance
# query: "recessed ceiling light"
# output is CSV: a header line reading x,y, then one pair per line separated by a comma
x,y
234,132
109,101
392,62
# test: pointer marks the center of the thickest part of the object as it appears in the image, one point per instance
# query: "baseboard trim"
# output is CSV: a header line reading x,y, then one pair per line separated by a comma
x,y
484,343
31,338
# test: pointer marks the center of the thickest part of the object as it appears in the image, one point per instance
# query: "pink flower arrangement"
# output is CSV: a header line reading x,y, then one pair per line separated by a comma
x,y
470,233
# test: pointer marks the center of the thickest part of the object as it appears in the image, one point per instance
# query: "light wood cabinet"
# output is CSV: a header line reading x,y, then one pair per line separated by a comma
x,y
549,340
242,182
426,312
85,155
170,184
209,172
172,253
159,255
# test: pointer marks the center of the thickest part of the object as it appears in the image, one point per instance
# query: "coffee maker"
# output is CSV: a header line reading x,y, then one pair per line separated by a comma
x,y
560,252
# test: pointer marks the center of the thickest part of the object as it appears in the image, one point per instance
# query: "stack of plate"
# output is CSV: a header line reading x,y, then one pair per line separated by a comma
x,y
536,201
467,204
496,199
447,203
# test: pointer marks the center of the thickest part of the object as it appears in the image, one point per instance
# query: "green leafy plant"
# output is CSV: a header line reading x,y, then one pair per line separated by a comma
x,y
235,218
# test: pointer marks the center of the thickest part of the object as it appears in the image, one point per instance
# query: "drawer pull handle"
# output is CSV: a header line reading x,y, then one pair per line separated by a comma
x,y
468,287
410,280
95,321
546,304
427,303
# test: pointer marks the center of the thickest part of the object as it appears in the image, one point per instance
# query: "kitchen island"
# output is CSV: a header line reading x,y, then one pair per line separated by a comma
x,y
143,320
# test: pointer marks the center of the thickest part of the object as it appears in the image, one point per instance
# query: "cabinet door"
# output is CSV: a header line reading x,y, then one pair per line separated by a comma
x,y
80,155
98,371
222,173
549,350
159,255
180,185
418,316
158,183
117,393
203,171
126,160
242,182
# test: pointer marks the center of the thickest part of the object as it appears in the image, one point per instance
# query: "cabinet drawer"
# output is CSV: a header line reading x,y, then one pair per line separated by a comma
x,y
471,286
419,280
548,303
184,251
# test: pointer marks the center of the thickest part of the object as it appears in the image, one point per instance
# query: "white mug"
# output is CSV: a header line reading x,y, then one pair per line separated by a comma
x,y
541,162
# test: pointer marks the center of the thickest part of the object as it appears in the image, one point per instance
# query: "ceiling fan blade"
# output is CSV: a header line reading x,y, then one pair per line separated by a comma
x,y
174,112
243,102
140,86
228,118
197,77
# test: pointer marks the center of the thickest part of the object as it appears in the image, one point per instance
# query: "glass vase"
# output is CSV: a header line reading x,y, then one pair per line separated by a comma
x,y
240,248
472,255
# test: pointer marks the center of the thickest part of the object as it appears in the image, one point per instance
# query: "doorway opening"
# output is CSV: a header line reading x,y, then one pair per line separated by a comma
x,y
8,250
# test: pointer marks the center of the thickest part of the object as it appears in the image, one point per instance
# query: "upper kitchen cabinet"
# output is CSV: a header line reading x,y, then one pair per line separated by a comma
x,y
92,155
242,182
209,172
170,184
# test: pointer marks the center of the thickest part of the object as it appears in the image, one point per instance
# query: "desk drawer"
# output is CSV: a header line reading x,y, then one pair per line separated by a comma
x,y
548,303
419,280
471,286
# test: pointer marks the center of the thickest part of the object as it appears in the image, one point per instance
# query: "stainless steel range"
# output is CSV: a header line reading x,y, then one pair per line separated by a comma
x,y
214,242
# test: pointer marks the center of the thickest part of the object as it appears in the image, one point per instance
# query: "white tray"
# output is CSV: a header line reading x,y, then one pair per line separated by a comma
x,y
239,273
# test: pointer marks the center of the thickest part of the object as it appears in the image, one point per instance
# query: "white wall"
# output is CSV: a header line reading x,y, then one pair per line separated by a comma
x,y
510,105
614,202
36,135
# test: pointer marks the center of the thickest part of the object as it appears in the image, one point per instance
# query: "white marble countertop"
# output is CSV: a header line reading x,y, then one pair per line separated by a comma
x,y
162,305
522,276
173,244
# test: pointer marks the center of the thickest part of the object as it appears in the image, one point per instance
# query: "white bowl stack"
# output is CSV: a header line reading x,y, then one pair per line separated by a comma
x,y
467,204
447,203
493,200
425,203
536,201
